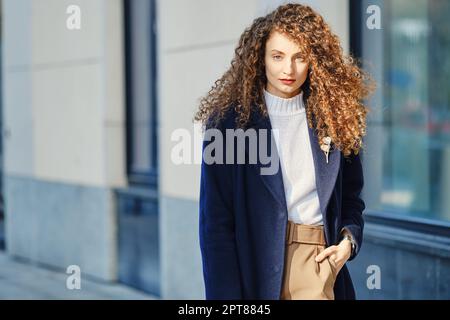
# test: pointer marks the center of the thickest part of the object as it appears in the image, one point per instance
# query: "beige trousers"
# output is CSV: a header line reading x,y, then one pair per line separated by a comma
x,y
304,278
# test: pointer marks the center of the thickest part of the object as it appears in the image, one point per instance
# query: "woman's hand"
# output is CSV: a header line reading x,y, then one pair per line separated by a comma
x,y
338,254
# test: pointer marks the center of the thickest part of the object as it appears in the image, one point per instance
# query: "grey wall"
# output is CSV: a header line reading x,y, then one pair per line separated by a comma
x,y
63,116
412,264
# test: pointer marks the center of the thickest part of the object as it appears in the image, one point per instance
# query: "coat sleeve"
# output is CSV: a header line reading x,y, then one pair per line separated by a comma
x,y
352,204
217,231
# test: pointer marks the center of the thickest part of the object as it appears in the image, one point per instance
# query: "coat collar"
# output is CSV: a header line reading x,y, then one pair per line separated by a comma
x,y
326,173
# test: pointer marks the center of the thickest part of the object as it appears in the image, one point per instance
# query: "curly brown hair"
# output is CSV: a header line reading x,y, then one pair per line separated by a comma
x,y
334,89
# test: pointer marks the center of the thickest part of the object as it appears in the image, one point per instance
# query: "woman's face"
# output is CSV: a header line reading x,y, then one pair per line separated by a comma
x,y
283,61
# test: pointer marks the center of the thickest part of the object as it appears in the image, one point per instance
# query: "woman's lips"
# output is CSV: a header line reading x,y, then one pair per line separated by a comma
x,y
287,81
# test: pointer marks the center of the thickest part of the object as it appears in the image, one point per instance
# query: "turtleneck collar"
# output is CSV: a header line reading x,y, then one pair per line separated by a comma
x,y
284,106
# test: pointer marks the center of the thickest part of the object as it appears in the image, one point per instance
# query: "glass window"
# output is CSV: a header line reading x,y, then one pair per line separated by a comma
x,y
407,157
140,42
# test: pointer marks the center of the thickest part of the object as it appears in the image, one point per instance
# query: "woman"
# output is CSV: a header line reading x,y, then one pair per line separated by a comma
x,y
285,235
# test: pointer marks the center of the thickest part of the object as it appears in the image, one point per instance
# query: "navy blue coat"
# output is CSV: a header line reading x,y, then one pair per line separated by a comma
x,y
243,217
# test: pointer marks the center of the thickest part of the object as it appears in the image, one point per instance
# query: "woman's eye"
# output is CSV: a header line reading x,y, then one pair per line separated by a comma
x,y
277,57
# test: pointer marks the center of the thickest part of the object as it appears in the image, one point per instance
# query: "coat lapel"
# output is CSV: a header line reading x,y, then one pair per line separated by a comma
x,y
326,173
273,182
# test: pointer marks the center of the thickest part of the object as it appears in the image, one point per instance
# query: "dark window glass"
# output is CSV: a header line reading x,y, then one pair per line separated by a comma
x,y
407,159
140,39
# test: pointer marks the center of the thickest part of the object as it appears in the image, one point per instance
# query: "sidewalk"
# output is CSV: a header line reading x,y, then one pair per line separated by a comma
x,y
19,280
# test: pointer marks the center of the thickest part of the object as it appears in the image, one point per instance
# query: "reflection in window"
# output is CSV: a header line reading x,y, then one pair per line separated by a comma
x,y
408,142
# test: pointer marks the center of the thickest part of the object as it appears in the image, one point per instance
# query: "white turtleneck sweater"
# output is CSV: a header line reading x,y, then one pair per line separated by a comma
x,y
296,160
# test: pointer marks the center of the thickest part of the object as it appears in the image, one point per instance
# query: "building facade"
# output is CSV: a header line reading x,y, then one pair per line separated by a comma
x,y
93,92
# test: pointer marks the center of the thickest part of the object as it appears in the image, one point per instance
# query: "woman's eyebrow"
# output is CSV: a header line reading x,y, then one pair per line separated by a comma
x,y
283,52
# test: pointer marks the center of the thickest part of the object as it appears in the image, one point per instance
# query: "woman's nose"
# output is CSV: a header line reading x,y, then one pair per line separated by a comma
x,y
288,68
